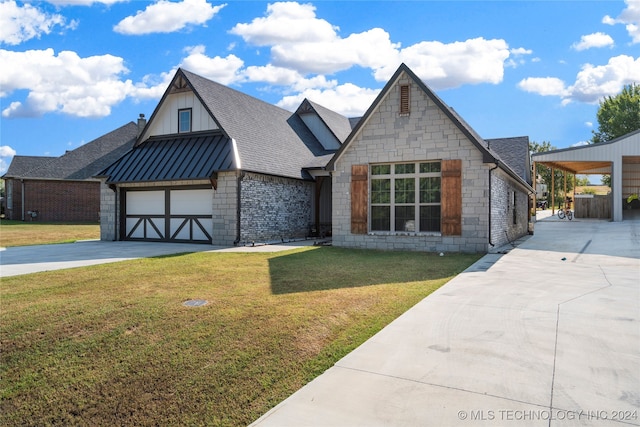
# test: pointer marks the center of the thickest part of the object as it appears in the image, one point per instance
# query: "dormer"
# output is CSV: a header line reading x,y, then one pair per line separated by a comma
x,y
329,127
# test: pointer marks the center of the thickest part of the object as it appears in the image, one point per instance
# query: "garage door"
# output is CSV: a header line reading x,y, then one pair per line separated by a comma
x,y
169,215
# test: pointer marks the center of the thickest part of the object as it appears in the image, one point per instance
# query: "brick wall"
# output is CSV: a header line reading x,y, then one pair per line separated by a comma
x,y
503,229
56,201
274,208
425,134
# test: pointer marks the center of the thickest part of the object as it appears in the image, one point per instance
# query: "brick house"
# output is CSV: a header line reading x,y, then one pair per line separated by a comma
x,y
62,189
414,176
216,166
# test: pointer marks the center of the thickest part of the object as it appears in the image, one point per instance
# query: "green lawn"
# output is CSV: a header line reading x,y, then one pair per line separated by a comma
x,y
20,233
114,344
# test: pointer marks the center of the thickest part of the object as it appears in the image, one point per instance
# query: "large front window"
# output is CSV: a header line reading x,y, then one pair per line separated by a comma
x,y
405,197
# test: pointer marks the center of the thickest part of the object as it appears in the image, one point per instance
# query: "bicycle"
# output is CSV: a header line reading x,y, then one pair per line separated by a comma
x,y
562,213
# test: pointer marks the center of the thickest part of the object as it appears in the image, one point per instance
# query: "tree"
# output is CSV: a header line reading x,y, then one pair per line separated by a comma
x,y
618,115
544,172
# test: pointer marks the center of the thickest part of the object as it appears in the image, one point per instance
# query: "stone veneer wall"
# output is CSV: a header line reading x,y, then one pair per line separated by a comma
x,y
425,134
274,208
503,230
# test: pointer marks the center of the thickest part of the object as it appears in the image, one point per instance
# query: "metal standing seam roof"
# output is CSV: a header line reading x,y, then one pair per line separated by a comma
x,y
172,158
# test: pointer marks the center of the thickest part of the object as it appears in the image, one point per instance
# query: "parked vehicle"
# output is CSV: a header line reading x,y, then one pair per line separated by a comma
x,y
541,204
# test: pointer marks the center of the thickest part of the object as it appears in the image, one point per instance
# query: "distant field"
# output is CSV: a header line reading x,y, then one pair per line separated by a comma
x,y
599,189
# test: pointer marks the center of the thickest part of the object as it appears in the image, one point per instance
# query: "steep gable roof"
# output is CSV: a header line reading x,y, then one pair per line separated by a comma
x,y
79,164
488,155
269,139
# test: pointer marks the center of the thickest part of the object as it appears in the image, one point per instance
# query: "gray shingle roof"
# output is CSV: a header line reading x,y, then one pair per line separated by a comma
x,y
515,153
270,140
82,163
21,166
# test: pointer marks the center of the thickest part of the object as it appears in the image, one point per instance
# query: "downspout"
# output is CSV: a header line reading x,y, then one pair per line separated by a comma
x,y
490,197
115,211
22,197
238,164
238,206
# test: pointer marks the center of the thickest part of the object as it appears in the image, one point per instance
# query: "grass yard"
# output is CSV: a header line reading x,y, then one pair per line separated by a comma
x,y
114,345
19,233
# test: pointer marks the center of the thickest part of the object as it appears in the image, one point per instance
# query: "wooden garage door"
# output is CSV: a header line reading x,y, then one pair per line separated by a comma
x,y
169,215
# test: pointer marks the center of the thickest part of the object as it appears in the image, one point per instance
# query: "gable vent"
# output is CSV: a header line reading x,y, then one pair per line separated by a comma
x,y
404,99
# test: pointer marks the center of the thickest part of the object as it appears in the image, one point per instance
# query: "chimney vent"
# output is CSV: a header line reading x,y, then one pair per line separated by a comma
x,y
142,122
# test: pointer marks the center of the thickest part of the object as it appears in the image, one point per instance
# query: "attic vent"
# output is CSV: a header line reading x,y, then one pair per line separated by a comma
x,y
404,99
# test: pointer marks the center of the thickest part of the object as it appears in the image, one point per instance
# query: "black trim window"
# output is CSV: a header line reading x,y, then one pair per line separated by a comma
x,y
184,120
405,197
513,204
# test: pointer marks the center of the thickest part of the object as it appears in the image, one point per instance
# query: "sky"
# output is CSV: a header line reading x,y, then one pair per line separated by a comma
x,y
73,70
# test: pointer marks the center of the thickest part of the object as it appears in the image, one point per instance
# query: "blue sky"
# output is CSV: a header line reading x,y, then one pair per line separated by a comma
x,y
73,70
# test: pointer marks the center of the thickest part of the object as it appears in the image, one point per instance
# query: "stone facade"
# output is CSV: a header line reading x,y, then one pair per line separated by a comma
x,y
426,133
274,208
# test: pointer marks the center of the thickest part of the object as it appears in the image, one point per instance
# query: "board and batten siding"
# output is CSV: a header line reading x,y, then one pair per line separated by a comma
x,y
166,120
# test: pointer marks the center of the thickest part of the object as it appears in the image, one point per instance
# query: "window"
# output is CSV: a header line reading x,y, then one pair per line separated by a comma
x,y
184,120
405,197
404,99
9,185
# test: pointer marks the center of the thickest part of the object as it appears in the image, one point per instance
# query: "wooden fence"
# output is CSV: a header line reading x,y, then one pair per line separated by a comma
x,y
587,206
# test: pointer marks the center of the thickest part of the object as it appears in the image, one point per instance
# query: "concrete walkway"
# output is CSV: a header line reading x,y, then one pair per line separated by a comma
x,y
546,335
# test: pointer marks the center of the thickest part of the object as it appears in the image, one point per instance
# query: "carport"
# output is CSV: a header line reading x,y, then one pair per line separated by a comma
x,y
620,158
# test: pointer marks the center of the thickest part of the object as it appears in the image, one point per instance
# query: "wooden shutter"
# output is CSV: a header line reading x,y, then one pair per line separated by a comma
x,y
451,197
359,199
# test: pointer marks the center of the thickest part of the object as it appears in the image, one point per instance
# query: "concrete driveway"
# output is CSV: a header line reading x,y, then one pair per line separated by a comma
x,y
546,335
15,261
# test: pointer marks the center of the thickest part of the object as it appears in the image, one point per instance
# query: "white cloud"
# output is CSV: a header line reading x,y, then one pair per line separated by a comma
x,y
580,144
588,124
450,65
6,154
66,83
83,2
286,22
347,99
221,70
302,42
592,82
545,86
21,23
286,77
370,49
167,17
593,40
630,17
